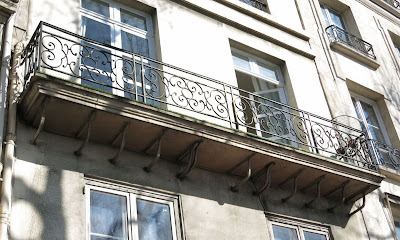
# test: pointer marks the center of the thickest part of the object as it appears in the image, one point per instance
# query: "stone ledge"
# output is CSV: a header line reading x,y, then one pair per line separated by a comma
x,y
343,48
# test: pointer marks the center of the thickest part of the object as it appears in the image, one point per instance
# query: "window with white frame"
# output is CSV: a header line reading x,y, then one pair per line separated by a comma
x,y
262,108
371,121
122,27
332,17
125,213
289,229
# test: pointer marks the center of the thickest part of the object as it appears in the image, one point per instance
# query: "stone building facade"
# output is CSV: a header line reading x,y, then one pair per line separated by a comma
x,y
211,119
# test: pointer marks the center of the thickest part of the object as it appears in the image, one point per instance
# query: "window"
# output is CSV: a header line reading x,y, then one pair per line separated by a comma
x,y
371,122
332,17
259,4
289,229
121,27
117,212
262,108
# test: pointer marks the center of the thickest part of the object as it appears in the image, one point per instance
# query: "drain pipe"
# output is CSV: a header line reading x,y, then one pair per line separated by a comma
x,y
8,160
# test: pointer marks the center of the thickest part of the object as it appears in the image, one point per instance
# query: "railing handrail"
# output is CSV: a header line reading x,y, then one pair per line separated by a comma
x,y
343,31
299,126
190,73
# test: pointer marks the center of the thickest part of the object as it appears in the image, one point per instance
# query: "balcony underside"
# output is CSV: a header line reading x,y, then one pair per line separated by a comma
x,y
69,106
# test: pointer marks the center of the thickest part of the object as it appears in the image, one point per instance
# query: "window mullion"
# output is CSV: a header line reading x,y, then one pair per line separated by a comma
x,y
133,220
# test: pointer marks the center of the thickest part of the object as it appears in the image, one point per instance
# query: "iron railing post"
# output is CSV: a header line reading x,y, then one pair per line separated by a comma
x,y
40,45
143,79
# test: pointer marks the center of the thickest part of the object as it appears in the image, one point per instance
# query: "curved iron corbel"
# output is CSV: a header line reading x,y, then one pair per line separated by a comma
x,y
267,170
318,182
192,161
89,127
42,120
245,179
158,155
342,187
294,177
121,148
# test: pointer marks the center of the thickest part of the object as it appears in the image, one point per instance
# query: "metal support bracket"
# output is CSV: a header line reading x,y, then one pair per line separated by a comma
x,y
122,146
294,177
342,187
267,171
318,182
193,151
245,179
42,120
158,155
362,205
89,128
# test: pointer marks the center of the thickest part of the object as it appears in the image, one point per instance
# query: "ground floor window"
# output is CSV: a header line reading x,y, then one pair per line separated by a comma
x,y
284,228
119,212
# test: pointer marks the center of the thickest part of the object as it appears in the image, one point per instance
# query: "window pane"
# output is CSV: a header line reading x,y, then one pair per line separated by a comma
x,y
267,71
135,44
372,120
96,31
336,19
241,61
108,214
133,20
325,16
154,221
97,6
283,233
397,227
313,236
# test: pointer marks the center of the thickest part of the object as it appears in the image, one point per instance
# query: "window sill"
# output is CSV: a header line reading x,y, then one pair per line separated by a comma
x,y
388,7
343,48
265,17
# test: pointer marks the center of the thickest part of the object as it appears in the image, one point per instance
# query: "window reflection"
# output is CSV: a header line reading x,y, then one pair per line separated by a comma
x,y
154,220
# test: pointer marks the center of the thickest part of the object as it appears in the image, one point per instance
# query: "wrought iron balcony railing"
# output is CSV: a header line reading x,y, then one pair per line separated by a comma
x,y
337,34
257,4
394,3
56,52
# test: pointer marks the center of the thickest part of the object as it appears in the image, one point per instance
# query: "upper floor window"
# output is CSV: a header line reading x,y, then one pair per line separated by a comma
x,y
122,27
288,229
262,108
332,17
259,4
131,214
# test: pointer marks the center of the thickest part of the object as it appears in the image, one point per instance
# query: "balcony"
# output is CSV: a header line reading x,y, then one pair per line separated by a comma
x,y
81,88
352,46
257,4
394,3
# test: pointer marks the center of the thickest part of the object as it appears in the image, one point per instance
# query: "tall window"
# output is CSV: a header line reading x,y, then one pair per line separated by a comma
x,y
371,121
131,214
262,92
119,26
332,17
288,229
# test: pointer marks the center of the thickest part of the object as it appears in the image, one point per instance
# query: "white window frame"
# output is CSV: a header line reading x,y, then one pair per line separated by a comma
x,y
116,28
327,11
300,226
254,74
132,193
374,105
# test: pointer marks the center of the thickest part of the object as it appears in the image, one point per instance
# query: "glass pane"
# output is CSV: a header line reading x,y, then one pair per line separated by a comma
x,y
267,71
96,31
325,16
397,227
241,61
372,120
154,221
97,6
313,236
135,44
283,233
133,20
108,214
337,19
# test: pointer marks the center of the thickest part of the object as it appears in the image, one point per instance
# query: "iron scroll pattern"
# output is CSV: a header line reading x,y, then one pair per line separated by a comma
x,y
256,4
386,155
143,79
337,34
